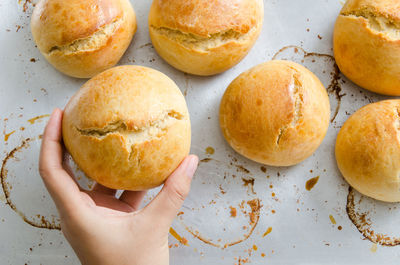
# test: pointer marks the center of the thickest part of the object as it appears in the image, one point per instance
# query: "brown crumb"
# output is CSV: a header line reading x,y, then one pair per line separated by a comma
x,y
333,221
221,189
269,230
255,210
184,241
210,150
311,183
33,60
249,182
242,168
233,211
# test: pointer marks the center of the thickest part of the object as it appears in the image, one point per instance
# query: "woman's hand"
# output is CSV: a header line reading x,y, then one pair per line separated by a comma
x,y
103,229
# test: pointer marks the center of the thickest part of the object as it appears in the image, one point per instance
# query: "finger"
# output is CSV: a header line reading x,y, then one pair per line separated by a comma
x,y
102,189
64,191
133,198
66,164
170,199
109,201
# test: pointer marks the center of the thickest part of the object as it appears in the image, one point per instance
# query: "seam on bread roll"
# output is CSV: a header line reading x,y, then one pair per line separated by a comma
x,y
193,41
378,23
91,43
295,89
153,130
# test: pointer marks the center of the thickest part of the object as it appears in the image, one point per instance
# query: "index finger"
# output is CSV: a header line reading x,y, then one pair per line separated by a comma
x,y
62,188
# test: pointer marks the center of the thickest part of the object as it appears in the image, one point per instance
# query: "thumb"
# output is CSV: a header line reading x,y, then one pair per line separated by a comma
x,y
169,200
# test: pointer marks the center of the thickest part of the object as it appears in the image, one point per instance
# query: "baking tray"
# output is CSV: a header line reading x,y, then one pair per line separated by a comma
x,y
238,211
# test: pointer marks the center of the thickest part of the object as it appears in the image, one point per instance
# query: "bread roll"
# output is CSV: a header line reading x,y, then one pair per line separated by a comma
x,y
204,37
276,113
83,38
368,150
367,44
127,128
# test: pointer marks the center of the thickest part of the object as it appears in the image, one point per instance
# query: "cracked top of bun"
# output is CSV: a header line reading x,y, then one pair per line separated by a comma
x,y
204,37
277,113
83,38
128,127
203,18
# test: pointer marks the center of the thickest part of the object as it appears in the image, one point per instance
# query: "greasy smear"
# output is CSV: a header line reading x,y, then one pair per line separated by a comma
x,y
254,217
44,223
311,183
197,235
333,221
334,86
145,45
182,240
6,136
374,248
210,150
269,230
33,120
364,224
205,160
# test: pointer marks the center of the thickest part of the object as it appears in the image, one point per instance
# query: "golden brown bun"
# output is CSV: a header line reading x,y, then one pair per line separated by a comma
x,y
204,37
367,44
368,150
83,38
276,113
127,128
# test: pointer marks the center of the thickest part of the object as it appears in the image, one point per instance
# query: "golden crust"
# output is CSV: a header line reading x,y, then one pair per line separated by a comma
x,y
127,128
276,113
204,37
83,38
367,44
204,18
368,150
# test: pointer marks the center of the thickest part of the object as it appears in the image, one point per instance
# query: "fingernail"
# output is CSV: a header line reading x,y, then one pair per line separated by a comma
x,y
192,166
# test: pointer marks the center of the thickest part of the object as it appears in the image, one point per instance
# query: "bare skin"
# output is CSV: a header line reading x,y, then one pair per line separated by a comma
x,y
103,229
